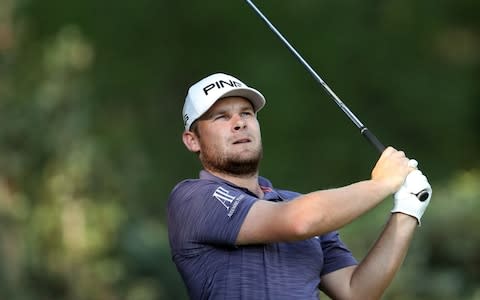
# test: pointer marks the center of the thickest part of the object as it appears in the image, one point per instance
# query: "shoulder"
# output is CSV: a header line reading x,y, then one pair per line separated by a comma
x,y
284,194
288,195
189,188
196,191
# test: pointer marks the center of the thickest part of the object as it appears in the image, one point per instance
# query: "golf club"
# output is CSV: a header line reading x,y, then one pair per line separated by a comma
x,y
423,195
363,130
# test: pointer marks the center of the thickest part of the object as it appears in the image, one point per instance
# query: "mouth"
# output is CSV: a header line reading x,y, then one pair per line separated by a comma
x,y
242,141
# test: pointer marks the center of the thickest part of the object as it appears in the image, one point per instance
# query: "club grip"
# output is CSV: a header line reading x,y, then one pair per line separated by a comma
x,y
372,139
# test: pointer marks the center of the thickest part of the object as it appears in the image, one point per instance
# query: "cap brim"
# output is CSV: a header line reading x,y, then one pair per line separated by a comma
x,y
254,96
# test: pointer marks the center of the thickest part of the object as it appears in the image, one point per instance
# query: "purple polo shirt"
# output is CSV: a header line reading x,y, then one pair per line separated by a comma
x,y
204,218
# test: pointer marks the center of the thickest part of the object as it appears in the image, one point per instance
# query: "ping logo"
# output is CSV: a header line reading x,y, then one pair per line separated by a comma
x,y
220,85
229,201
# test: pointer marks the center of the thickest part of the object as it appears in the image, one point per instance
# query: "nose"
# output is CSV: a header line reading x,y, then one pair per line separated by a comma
x,y
239,123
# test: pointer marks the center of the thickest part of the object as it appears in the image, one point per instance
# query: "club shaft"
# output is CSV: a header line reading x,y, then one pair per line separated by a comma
x,y
363,130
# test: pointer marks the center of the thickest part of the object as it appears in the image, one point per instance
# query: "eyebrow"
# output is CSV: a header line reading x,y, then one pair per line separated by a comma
x,y
221,111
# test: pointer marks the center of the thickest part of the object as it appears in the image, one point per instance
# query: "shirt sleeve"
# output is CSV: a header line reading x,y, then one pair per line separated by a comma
x,y
207,213
336,254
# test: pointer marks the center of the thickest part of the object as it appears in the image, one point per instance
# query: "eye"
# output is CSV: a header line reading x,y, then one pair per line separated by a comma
x,y
247,113
219,117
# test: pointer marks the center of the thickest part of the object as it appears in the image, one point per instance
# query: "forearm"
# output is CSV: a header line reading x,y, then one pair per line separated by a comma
x,y
372,276
311,214
327,210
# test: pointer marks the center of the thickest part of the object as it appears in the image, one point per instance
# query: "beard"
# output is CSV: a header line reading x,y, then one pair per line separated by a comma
x,y
237,165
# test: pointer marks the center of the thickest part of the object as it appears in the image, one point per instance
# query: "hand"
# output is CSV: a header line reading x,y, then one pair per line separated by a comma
x,y
391,169
413,196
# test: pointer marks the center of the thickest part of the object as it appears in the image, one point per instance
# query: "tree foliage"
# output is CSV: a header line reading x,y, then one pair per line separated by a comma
x,y
91,94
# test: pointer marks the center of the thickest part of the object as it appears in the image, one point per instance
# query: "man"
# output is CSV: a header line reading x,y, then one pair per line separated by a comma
x,y
234,236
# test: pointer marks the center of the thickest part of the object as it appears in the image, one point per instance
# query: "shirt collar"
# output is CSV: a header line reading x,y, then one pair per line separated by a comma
x,y
264,183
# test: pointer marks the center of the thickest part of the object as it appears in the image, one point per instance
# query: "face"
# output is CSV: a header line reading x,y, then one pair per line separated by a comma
x,y
228,139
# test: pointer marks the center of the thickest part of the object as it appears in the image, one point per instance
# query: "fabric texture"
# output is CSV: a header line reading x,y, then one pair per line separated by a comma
x,y
204,218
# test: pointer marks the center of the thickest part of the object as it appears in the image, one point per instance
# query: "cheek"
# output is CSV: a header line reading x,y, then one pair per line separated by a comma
x,y
256,128
212,140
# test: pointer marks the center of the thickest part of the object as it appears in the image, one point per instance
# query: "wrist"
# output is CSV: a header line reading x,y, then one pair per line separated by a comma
x,y
404,218
383,186
405,224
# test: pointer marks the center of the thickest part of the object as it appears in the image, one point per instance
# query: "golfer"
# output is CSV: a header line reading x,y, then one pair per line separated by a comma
x,y
233,235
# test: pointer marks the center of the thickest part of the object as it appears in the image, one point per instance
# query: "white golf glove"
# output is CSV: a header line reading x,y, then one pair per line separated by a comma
x,y
413,196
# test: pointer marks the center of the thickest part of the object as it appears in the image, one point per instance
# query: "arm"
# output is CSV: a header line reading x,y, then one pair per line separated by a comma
x,y
323,211
371,277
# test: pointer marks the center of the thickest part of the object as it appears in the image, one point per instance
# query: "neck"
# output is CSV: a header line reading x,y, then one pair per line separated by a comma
x,y
249,182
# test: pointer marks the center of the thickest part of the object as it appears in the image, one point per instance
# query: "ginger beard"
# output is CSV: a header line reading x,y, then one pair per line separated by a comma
x,y
231,161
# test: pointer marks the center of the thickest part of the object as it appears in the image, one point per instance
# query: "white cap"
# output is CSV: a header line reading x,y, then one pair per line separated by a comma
x,y
203,94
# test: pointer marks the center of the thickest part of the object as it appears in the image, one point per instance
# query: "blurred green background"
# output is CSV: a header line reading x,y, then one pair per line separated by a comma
x,y
91,94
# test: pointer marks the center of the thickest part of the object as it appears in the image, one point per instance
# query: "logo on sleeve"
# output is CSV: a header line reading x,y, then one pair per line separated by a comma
x,y
230,202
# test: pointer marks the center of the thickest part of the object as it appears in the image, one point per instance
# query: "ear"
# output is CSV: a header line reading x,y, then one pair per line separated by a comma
x,y
191,141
